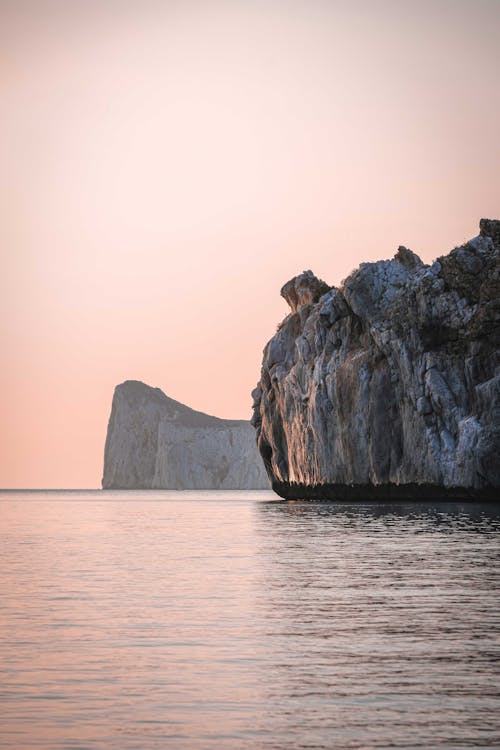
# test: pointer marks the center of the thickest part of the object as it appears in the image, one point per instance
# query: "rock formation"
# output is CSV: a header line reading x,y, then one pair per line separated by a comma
x,y
388,387
154,442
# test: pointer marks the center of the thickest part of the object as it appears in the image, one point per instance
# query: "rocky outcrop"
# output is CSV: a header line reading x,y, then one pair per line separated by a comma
x,y
154,442
388,387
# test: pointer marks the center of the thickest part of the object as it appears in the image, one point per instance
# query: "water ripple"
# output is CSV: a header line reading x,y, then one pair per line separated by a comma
x,y
226,620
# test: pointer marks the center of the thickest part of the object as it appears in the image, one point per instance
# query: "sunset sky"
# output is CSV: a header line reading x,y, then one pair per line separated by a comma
x,y
167,166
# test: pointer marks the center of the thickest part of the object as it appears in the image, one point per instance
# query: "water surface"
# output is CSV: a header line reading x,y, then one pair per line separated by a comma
x,y
226,620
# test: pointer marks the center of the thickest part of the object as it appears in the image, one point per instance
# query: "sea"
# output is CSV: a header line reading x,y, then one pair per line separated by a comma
x,y
227,620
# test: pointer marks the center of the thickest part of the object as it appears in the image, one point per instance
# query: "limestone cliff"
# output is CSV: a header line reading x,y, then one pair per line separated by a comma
x,y
390,385
154,442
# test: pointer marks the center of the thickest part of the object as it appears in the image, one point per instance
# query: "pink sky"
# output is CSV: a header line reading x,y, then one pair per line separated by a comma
x,y
167,166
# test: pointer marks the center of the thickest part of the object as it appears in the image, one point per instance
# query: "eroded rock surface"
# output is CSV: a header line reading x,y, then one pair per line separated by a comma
x,y
154,442
390,385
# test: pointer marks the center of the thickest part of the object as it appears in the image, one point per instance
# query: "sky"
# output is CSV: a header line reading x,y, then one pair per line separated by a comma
x,y
166,166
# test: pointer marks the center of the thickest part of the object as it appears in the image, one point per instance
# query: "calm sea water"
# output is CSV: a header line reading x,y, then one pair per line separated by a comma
x,y
227,620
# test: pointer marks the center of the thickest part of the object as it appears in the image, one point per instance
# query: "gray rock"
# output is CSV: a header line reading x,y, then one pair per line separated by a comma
x,y
154,442
390,385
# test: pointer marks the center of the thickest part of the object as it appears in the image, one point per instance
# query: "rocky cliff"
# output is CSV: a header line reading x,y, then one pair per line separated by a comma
x,y
390,385
154,442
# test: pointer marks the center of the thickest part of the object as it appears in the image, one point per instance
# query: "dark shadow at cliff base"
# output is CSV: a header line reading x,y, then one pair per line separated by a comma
x,y
384,492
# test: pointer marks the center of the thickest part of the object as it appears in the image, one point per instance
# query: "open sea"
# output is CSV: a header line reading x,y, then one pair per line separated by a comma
x,y
228,620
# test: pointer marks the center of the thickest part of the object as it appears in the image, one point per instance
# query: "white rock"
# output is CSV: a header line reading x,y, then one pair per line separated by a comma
x,y
154,442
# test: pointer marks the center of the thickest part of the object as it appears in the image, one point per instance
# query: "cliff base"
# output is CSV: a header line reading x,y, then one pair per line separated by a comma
x,y
383,492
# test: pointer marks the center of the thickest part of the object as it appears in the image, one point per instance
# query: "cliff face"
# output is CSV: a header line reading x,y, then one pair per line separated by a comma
x,y
154,442
390,385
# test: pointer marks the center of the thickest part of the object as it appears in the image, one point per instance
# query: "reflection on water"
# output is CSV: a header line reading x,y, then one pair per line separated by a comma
x,y
224,620
382,622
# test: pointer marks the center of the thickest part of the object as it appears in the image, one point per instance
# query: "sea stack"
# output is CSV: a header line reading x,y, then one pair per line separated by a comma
x,y
389,386
155,442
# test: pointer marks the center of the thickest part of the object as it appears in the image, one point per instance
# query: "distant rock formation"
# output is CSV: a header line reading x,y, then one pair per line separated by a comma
x,y
154,442
388,387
